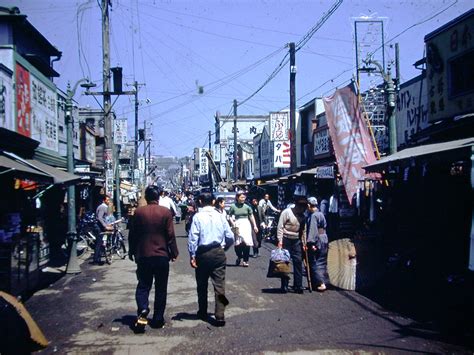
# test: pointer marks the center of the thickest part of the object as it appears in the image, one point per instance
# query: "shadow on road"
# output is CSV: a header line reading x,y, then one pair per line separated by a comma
x,y
271,290
128,320
185,316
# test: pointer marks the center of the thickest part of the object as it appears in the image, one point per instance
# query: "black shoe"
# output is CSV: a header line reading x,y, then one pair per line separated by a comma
x,y
219,322
284,289
299,291
142,320
202,316
157,323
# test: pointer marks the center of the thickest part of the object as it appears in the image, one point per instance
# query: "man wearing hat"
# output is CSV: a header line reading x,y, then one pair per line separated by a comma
x,y
316,244
290,229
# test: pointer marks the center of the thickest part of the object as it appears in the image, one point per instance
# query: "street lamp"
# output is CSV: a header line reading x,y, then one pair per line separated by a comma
x,y
390,89
72,265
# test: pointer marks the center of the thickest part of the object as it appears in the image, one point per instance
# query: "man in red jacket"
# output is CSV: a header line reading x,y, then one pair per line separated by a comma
x,y
152,245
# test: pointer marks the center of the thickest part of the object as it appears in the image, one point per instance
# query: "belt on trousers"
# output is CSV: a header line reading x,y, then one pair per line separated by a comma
x,y
321,231
205,248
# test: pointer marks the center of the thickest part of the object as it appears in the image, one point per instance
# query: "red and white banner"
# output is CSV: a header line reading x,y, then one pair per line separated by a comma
x,y
281,154
23,101
350,137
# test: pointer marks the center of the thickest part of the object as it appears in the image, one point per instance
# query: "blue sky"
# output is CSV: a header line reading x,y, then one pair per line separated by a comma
x,y
228,47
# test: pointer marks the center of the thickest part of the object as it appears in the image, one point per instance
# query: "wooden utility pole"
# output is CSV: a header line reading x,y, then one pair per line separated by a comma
x,y
135,154
210,162
292,109
108,152
236,168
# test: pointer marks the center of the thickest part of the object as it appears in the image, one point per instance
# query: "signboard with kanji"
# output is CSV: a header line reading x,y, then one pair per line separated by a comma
x,y
450,54
281,154
120,131
279,126
203,162
36,115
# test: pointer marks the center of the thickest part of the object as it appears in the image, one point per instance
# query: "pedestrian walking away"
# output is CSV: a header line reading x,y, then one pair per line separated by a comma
x,y
291,227
241,216
316,245
257,212
208,235
152,244
102,226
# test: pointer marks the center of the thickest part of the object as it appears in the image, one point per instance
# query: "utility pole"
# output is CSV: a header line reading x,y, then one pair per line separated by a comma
x,y
209,164
117,181
144,152
236,168
108,152
292,109
135,154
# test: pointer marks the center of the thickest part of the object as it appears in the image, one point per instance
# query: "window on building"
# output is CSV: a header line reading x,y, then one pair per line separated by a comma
x,y
461,74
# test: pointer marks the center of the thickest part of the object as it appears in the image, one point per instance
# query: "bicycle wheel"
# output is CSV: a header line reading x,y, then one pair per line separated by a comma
x,y
106,250
82,244
119,246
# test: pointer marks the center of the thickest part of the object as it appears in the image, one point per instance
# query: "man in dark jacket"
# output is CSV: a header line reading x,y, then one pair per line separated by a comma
x,y
152,244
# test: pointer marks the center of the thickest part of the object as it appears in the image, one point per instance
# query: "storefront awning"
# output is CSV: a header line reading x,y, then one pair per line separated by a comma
x,y
311,171
54,175
421,151
59,176
19,170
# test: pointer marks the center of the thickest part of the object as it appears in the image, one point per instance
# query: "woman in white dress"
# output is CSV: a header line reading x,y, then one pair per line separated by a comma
x,y
241,216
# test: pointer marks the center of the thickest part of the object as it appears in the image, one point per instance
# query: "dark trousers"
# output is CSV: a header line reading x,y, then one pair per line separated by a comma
x,y
149,268
257,241
211,264
318,260
294,248
242,251
98,241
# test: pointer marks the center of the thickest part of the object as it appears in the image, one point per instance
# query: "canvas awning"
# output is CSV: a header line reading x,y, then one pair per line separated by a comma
x,y
421,151
19,170
311,171
59,176
37,169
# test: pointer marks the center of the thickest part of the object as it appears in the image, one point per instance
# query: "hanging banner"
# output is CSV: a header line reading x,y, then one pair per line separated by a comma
x,y
279,126
23,101
350,137
281,154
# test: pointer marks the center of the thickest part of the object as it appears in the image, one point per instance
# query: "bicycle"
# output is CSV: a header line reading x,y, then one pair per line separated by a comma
x,y
113,243
118,240
85,238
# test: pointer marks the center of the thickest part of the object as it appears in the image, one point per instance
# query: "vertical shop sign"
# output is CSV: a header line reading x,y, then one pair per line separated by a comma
x,y
203,162
23,103
279,126
43,114
120,131
109,182
6,99
350,137
281,154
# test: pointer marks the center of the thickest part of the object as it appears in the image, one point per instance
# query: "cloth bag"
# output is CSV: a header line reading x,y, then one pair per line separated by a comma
x,y
279,264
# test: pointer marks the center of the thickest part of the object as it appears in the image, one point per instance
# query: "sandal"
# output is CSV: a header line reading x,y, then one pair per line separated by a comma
x,y
321,288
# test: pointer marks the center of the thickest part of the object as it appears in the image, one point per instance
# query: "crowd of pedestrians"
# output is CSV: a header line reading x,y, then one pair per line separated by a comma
x,y
211,230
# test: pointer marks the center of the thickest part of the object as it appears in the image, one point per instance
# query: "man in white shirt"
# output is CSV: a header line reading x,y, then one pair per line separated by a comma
x,y
167,202
265,203
208,235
